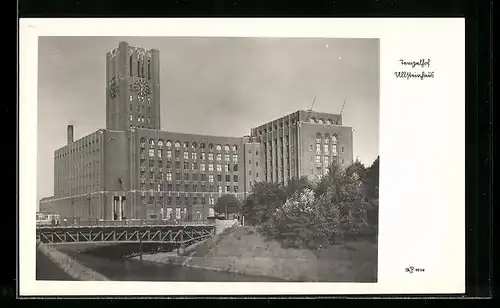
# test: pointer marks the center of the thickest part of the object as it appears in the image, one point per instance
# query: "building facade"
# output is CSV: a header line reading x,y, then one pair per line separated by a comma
x,y
134,170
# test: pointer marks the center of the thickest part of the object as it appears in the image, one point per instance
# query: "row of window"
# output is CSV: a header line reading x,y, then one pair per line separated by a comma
x,y
186,145
194,177
140,68
160,187
194,155
186,166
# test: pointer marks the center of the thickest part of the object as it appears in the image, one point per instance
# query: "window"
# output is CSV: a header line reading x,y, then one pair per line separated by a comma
x,y
256,175
169,154
342,149
235,147
151,152
219,147
334,139
249,151
235,178
219,156
177,144
249,172
210,178
226,148
250,184
211,201
325,148
178,176
210,156
228,189
186,165
318,159
151,142
177,153
203,177
202,146
177,165
193,155
202,167
219,189
250,162
160,152
194,176
210,167
257,163
228,178
226,157
235,167
320,121
169,143
186,176
186,155
219,177
193,166
235,189
130,98
257,152
226,167
235,157
169,176
131,118
326,160
219,167
334,149
202,155
318,147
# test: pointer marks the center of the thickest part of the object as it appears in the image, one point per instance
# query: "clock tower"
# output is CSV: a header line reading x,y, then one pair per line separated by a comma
x,y
132,88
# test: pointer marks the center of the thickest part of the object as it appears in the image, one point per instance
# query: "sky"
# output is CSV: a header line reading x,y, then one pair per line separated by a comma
x,y
212,86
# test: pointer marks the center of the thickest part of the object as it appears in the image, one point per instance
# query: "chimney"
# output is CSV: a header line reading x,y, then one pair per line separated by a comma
x,y
70,134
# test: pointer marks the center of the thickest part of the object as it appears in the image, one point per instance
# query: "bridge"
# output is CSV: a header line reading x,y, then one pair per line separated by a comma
x,y
184,233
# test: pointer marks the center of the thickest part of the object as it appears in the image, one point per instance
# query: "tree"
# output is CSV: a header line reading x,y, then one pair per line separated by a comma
x,y
228,204
263,200
327,181
371,191
297,185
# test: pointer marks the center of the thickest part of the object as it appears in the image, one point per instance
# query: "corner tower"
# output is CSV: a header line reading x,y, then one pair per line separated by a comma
x,y
132,88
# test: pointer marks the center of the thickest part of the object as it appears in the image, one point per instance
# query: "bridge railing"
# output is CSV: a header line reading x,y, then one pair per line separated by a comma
x,y
129,223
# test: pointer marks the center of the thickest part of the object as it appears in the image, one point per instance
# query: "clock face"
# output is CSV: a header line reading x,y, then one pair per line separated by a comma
x,y
113,87
141,87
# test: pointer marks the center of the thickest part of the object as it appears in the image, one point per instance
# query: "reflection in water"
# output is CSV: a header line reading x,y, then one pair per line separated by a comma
x,y
118,269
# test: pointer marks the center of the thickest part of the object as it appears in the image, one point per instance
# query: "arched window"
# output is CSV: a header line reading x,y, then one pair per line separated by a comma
x,y
226,148
330,121
160,143
142,140
186,145
210,146
327,138
149,69
312,120
334,139
151,142
219,147
169,143
235,147
202,145
177,144
321,121
194,145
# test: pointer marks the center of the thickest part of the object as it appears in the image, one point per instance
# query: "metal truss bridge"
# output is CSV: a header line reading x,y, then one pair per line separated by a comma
x,y
182,234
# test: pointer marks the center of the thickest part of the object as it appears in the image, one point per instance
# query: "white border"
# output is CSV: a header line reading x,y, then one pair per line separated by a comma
x,y
422,189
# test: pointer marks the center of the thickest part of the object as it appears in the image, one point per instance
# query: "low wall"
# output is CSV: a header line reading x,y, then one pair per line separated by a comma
x,y
70,265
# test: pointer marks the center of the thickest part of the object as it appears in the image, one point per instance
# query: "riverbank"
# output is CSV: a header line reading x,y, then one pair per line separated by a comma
x,y
243,250
69,265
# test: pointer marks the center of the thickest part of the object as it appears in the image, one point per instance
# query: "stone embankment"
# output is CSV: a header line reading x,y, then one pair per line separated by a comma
x,y
69,264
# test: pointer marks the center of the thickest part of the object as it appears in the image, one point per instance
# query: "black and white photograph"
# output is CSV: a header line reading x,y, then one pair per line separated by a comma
x,y
207,159
241,157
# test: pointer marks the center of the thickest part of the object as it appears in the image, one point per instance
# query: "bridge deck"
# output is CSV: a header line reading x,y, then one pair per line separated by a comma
x,y
180,234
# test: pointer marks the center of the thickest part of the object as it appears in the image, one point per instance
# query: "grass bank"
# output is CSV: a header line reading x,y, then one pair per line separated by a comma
x,y
69,265
244,250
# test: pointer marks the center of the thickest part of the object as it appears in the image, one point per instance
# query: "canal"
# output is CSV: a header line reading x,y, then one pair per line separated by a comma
x,y
114,267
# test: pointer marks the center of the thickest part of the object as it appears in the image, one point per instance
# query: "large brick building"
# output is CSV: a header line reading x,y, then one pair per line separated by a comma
x,y
133,169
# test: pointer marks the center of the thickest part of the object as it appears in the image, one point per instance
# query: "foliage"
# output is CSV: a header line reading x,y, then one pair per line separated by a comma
x,y
343,204
228,204
263,200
